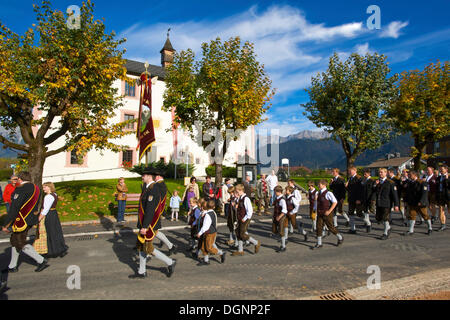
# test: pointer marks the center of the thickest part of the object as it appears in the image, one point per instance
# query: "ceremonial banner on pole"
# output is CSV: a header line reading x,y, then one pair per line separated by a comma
x,y
145,130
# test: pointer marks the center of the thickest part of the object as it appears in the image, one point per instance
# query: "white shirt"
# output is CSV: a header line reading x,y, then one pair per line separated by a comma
x,y
282,204
429,177
48,201
206,223
296,205
248,207
148,184
272,181
329,196
297,196
225,195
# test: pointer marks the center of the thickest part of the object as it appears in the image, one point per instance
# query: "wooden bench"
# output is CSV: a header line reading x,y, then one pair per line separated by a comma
x,y
134,199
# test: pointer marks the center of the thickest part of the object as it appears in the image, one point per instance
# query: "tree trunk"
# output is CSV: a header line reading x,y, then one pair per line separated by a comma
x,y
36,162
218,181
418,157
350,162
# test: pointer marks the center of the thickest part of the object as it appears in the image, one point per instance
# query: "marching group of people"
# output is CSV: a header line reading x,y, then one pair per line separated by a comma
x,y
408,194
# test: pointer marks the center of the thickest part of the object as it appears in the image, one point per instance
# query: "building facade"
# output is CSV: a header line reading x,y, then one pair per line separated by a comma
x,y
168,145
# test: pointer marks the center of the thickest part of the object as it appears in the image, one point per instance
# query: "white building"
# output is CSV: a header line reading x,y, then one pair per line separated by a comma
x,y
107,165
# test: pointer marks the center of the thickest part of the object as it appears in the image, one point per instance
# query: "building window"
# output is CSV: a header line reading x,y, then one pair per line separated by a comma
x,y
74,158
128,117
127,156
130,90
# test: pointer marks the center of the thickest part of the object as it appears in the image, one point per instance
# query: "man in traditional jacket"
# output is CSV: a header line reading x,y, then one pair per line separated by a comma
x,y
151,206
21,217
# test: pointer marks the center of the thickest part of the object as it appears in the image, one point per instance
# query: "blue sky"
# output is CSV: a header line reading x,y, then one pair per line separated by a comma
x,y
294,39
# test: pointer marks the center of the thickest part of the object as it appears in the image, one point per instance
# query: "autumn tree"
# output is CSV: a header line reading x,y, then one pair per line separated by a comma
x,y
348,101
227,89
422,106
65,73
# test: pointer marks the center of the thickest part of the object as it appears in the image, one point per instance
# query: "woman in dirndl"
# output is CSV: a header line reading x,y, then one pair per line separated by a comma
x,y
55,239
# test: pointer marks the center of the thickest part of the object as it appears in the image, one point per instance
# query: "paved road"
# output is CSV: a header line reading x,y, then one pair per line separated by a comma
x,y
106,261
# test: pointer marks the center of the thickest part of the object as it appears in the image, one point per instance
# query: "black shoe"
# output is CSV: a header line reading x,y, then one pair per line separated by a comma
x,y
222,257
317,246
138,276
3,285
172,250
195,255
42,266
13,270
171,268
340,241
305,237
281,249
203,263
384,237
368,229
352,231
429,232
62,255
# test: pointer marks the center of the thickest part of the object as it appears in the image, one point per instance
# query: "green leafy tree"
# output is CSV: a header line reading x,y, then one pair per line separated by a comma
x,y
348,101
422,106
227,89
66,74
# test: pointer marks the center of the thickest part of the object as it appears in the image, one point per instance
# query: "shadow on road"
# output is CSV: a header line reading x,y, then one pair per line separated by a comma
x,y
122,242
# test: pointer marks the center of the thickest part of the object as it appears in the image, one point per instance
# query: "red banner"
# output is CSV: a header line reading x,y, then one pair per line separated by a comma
x,y
145,131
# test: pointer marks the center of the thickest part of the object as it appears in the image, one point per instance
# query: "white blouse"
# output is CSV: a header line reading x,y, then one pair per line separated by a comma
x,y
48,201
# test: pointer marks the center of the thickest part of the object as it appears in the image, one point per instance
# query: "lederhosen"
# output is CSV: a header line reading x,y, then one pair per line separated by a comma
x,y
231,219
242,226
323,204
209,237
292,218
417,192
278,226
312,200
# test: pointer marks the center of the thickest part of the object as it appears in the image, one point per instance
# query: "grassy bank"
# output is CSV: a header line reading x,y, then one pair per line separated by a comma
x,y
91,199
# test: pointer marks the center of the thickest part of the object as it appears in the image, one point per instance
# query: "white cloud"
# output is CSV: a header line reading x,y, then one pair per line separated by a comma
x,y
362,49
393,29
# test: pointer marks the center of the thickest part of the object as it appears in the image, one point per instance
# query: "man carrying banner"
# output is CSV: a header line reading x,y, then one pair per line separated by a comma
x,y
21,217
151,206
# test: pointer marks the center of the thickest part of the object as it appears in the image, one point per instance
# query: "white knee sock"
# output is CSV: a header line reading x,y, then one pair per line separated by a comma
x,y
352,222
240,245
29,251
319,241
206,258
14,258
386,227
161,236
314,224
300,228
142,262
345,216
286,234
252,241
339,236
411,225
335,223
161,256
429,224
367,219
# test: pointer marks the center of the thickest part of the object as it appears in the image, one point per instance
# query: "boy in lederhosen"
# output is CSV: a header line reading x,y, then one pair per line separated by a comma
x,y
231,218
193,216
326,202
208,233
417,199
386,197
279,220
292,205
312,197
244,215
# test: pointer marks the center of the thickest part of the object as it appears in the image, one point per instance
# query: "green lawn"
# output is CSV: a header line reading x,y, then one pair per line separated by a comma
x,y
91,199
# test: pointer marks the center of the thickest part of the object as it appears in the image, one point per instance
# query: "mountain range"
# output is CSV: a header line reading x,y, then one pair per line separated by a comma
x,y
315,149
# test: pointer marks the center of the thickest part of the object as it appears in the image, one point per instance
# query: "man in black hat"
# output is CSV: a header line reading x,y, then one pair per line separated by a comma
x,y
151,206
162,189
